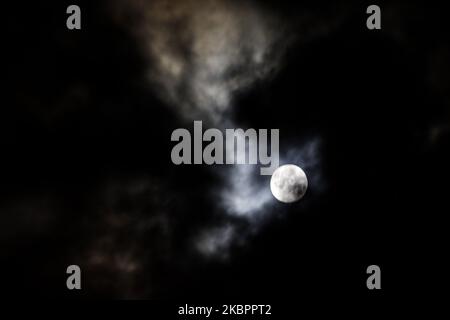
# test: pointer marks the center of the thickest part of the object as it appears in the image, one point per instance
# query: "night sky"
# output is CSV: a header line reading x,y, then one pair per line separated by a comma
x,y
86,176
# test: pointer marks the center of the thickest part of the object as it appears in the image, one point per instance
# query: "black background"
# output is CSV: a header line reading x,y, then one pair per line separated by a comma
x,y
368,94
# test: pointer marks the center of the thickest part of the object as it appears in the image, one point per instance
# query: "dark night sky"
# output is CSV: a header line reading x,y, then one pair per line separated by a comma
x,y
86,176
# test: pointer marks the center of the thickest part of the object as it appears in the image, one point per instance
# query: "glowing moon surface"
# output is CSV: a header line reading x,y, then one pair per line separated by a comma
x,y
288,183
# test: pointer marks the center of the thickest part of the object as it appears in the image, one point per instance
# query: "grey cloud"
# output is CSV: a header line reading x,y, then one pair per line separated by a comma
x,y
203,52
216,241
133,213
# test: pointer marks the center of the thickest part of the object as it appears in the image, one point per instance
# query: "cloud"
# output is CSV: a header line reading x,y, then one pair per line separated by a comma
x,y
132,235
202,52
216,242
308,157
246,196
246,192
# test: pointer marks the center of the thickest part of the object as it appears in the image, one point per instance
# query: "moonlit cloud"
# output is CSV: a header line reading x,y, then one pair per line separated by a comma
x,y
200,54
246,192
308,157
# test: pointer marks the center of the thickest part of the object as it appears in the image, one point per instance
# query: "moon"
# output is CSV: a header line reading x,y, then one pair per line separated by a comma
x,y
288,183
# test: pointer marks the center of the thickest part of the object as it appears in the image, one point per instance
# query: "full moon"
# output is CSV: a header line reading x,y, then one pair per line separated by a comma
x,y
288,183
